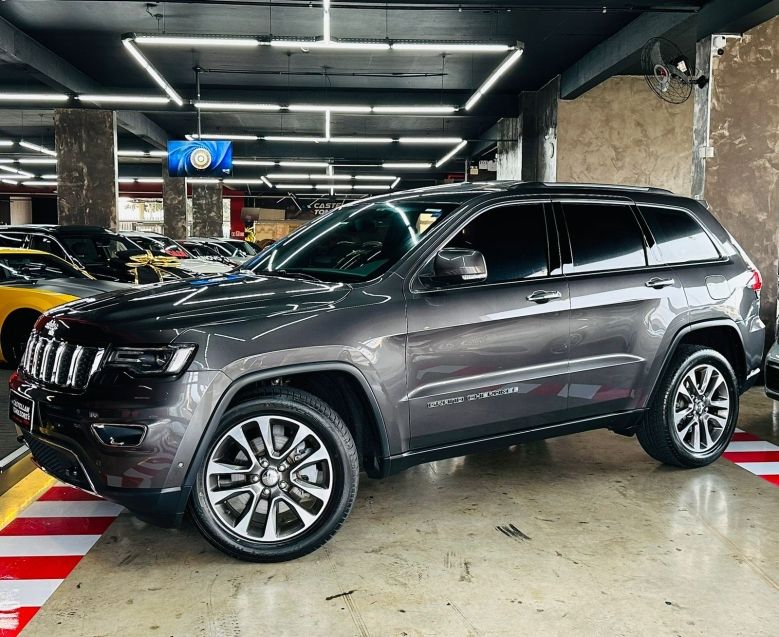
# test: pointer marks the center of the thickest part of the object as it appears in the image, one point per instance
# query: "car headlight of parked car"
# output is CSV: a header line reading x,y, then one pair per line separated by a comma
x,y
169,360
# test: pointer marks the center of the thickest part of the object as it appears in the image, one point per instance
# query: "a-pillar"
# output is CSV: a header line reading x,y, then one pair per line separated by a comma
x,y
85,141
207,210
174,204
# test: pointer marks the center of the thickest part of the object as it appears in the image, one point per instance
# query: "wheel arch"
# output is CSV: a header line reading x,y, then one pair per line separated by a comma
x,y
240,390
17,314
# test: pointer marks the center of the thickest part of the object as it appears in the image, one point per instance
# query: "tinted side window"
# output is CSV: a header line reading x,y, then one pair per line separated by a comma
x,y
46,244
679,237
604,237
512,240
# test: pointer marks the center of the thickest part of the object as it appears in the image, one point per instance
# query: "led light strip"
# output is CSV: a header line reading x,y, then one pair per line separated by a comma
x,y
155,75
450,154
123,99
33,97
37,148
411,109
504,66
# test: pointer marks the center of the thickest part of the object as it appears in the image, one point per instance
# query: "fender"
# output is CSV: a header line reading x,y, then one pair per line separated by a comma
x,y
684,331
266,374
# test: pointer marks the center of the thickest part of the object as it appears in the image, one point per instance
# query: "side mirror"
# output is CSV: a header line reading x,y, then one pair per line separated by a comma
x,y
459,265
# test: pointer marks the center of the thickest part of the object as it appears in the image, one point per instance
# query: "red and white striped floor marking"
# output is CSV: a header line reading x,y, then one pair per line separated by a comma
x,y
755,455
40,548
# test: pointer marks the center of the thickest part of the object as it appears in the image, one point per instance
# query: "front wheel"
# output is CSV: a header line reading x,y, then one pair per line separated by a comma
x,y
693,415
279,478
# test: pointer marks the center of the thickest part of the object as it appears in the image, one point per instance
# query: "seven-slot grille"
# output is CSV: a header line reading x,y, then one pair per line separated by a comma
x,y
60,364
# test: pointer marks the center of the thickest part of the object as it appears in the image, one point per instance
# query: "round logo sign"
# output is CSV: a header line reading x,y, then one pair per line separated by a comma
x,y
200,158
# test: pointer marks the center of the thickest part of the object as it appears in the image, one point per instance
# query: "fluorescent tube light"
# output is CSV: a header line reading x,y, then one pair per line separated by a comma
x,y
131,153
198,40
330,177
123,99
405,164
249,138
395,183
126,180
288,176
361,140
202,180
253,162
243,181
327,124
38,160
450,154
415,109
23,173
304,164
49,177
443,47
5,160
372,187
294,186
12,182
237,106
323,108
504,66
6,142
430,140
158,153
33,97
331,44
149,180
37,148
155,75
293,138
266,182
326,20
333,187
375,177
39,183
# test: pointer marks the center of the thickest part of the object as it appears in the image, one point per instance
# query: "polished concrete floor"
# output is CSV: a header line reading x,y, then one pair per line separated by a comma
x,y
583,535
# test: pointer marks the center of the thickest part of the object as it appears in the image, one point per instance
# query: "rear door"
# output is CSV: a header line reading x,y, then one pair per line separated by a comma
x,y
621,304
485,358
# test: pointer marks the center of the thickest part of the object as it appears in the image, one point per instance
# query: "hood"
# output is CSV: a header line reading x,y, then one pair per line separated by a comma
x,y
163,310
199,266
79,288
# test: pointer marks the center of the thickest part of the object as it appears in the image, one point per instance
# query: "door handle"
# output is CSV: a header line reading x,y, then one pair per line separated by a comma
x,y
658,283
542,296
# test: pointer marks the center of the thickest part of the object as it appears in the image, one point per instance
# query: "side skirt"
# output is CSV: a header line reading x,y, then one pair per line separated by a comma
x,y
623,422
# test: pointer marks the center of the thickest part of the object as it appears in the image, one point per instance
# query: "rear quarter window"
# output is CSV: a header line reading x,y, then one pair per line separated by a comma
x,y
679,237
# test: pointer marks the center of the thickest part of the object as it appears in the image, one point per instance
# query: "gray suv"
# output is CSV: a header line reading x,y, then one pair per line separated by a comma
x,y
394,331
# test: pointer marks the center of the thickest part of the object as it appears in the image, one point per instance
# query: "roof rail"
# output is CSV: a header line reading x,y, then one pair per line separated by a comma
x,y
561,184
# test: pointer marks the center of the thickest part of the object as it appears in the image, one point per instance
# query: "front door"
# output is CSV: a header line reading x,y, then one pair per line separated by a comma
x,y
491,357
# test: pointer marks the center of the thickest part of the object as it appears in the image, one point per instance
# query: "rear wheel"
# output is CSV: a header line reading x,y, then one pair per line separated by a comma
x,y
279,479
693,416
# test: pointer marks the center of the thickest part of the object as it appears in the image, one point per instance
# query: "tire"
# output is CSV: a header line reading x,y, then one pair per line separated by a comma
x,y
714,418
15,333
280,481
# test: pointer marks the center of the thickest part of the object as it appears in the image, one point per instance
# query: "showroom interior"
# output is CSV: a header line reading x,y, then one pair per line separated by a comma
x,y
295,113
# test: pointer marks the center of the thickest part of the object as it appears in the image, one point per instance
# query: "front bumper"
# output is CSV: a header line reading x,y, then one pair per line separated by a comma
x,y
772,373
148,478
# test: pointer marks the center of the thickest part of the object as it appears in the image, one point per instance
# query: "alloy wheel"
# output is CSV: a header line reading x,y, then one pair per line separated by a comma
x,y
269,478
701,408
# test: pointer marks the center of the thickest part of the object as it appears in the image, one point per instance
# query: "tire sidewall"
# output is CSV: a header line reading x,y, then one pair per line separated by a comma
x,y
344,477
701,357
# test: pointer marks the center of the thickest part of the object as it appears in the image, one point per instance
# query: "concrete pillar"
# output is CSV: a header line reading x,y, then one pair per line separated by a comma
x,y
85,141
539,132
174,205
742,173
207,210
508,155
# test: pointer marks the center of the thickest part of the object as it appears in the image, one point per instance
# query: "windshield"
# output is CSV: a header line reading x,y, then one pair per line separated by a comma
x,y
15,268
96,248
242,247
357,243
201,250
161,244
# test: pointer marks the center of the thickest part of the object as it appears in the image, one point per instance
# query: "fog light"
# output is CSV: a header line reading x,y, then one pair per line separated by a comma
x,y
113,435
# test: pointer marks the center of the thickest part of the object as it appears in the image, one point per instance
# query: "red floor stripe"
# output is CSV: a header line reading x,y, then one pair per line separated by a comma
x,y
771,479
752,456
744,436
67,494
48,567
13,621
57,526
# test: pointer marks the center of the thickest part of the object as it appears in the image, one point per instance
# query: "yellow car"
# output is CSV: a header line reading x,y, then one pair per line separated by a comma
x,y
32,282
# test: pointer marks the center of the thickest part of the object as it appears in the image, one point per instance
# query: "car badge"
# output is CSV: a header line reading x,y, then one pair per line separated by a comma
x,y
51,327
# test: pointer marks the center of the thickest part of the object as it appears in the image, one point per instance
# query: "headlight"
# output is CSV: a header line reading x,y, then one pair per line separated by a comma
x,y
152,361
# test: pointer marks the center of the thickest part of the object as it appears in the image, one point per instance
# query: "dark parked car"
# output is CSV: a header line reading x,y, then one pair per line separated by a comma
x,y
102,253
398,330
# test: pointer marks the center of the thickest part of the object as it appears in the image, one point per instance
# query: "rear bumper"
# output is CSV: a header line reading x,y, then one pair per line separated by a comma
x,y
772,373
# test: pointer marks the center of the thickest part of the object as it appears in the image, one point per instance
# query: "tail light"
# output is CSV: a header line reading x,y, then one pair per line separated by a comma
x,y
755,281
